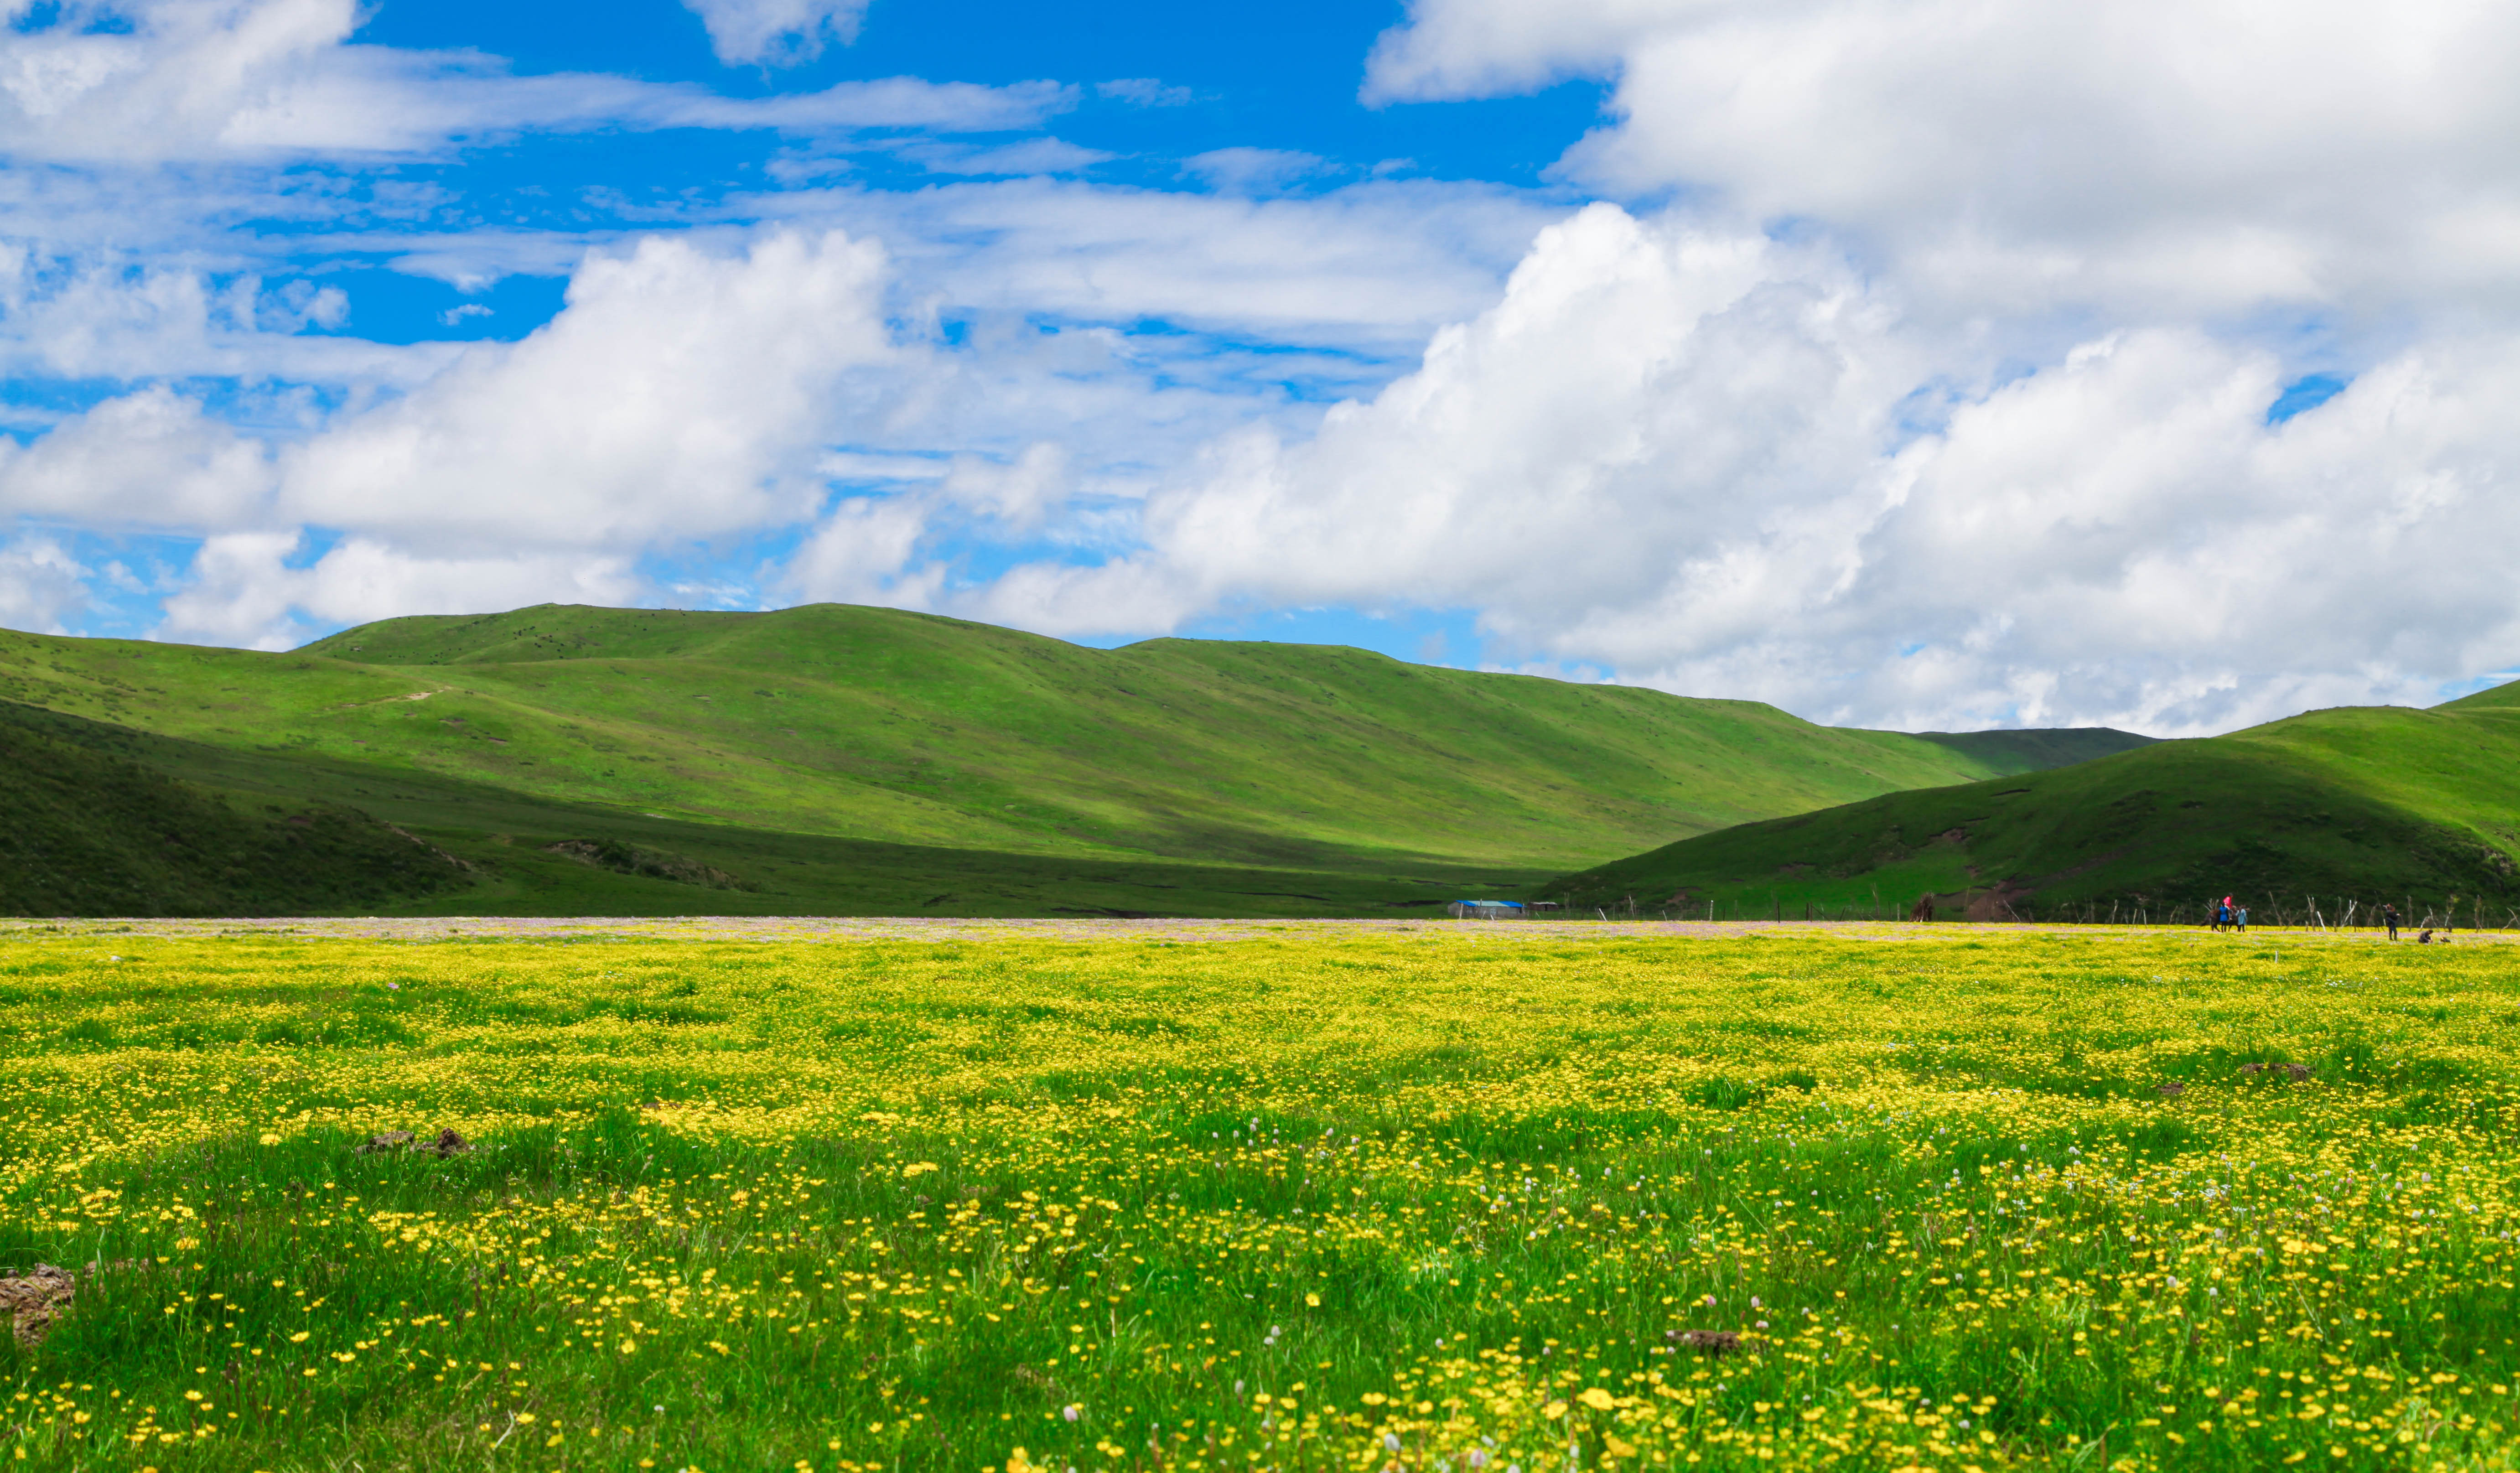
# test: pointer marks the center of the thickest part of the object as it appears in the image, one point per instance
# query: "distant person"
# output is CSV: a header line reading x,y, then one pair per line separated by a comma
x,y
2240,921
2389,918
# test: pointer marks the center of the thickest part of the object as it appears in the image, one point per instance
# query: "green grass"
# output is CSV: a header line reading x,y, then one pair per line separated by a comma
x,y
842,758
2364,803
101,820
1303,1201
91,824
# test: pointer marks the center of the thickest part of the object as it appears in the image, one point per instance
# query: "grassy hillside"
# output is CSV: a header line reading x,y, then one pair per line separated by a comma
x,y
2010,752
2375,803
841,759
909,729
84,840
92,822
913,729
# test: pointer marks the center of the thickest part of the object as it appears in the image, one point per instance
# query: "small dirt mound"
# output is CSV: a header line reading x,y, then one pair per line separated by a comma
x,y
444,1144
652,864
35,1299
2171,1090
1712,1343
2275,1071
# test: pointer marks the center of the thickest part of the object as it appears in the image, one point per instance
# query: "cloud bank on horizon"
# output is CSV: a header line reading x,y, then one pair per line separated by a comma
x,y
1916,363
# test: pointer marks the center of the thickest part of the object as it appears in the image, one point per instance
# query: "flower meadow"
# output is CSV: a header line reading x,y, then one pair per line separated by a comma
x,y
1468,1199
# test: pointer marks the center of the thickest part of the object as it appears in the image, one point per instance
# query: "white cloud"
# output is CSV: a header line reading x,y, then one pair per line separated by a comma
x,y
271,79
40,584
2188,155
1033,156
1370,267
776,32
1020,493
1676,453
1143,92
861,552
858,465
88,319
1253,171
146,460
678,394
243,590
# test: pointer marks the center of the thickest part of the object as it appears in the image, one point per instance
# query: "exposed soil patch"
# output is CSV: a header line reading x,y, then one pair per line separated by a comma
x,y
1712,1343
654,864
35,1299
445,1144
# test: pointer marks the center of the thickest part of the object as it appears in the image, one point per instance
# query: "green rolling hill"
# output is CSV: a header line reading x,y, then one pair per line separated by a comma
x,y
2360,803
839,759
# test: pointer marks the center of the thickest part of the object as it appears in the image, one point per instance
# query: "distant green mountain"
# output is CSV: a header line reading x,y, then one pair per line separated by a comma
x,y
2361,803
2035,751
842,759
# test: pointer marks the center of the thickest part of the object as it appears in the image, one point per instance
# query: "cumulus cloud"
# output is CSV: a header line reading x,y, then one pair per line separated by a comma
x,y
680,393
863,552
244,587
2188,155
776,32
1678,453
40,584
677,394
148,460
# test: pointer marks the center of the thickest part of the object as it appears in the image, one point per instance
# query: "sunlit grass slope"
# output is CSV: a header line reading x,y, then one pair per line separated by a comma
x,y
2380,803
1445,1201
104,820
879,726
888,725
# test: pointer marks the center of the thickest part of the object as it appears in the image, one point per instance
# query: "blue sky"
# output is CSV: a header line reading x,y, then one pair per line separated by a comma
x,y
1900,362
472,237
